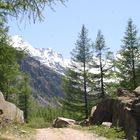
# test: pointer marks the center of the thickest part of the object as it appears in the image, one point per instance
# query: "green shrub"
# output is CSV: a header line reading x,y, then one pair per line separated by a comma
x,y
111,133
38,122
114,132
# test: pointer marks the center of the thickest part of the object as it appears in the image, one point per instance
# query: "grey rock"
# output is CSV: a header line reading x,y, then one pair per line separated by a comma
x,y
9,112
63,122
107,124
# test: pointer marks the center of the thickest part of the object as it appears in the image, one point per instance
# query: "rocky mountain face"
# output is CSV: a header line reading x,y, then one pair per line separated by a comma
x,y
45,83
45,68
46,56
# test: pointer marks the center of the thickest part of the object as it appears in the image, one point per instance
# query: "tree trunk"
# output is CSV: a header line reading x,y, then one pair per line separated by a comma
x,y
85,93
6,93
101,73
133,70
102,83
25,108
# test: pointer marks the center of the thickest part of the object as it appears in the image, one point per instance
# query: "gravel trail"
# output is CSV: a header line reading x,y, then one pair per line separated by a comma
x,y
65,134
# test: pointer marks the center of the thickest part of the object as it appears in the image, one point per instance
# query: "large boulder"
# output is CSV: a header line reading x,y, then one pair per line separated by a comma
x,y
63,122
123,111
102,113
9,112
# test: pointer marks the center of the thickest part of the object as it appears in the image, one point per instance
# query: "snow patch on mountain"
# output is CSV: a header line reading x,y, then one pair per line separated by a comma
x,y
46,56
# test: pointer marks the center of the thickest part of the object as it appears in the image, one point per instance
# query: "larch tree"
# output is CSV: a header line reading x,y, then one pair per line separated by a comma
x,y
26,9
128,60
12,80
9,56
103,63
76,82
24,94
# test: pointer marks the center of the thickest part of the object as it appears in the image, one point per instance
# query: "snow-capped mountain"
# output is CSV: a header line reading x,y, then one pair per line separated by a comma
x,y
46,56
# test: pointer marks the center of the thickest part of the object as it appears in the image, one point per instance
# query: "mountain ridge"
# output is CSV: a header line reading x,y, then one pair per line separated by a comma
x,y
45,69
46,56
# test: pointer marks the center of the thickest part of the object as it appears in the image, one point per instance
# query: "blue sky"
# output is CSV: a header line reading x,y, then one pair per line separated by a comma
x,y
60,29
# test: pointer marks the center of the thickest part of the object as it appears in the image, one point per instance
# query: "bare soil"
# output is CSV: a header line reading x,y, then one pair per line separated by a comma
x,y
65,134
53,134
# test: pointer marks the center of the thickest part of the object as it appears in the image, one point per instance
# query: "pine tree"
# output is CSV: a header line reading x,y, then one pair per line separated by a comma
x,y
128,60
24,95
12,80
76,82
103,63
9,56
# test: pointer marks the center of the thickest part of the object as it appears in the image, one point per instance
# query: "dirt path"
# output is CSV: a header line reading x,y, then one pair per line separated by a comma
x,y
65,134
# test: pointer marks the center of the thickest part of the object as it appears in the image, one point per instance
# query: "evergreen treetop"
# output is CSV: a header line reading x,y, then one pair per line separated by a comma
x,y
128,61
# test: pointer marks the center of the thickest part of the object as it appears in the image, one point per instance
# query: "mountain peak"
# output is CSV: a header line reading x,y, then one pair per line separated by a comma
x,y
46,56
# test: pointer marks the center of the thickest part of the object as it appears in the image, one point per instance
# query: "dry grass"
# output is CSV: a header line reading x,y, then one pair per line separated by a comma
x,y
16,132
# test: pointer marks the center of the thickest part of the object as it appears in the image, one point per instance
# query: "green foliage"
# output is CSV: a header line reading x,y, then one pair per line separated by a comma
x,y
128,61
74,99
9,68
76,84
24,94
103,63
82,52
25,8
12,80
41,117
111,133
111,89
38,122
